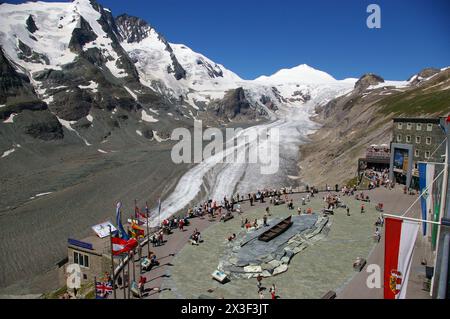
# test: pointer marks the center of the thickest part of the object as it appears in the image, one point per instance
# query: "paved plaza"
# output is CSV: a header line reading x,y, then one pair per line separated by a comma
x,y
325,265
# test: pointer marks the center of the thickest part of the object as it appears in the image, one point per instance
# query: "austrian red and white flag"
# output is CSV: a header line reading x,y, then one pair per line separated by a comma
x,y
122,246
400,238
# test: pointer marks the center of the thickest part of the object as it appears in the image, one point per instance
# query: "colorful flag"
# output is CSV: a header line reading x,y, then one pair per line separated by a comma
x,y
122,233
102,289
426,177
122,246
436,202
137,231
400,238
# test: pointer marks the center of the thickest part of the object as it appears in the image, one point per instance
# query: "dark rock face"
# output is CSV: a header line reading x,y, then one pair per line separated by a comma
x,y
81,35
367,80
72,104
147,133
31,25
28,55
233,104
40,125
213,71
134,30
427,72
424,74
16,91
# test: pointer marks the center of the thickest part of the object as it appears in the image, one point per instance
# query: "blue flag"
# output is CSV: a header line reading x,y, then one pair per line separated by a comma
x,y
423,198
122,233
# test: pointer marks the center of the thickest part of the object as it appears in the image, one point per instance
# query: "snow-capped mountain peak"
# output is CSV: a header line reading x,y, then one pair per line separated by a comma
x,y
300,74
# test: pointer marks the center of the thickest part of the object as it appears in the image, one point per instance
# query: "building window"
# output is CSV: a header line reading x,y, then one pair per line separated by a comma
x,y
417,139
419,126
429,127
80,259
399,138
408,139
427,154
428,140
416,153
408,126
400,125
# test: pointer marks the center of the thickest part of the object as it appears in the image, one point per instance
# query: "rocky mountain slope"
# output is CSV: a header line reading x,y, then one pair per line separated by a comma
x,y
363,117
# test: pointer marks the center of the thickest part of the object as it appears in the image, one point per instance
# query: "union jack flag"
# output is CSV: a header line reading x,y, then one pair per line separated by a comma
x,y
102,289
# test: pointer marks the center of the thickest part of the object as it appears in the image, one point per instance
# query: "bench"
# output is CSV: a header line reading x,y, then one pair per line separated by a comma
x,y
329,295
359,264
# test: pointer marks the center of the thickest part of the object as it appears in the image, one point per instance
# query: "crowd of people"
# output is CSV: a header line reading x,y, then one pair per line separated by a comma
x,y
379,178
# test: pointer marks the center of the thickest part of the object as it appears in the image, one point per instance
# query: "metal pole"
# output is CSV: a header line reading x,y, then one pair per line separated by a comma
x,y
134,266
95,286
140,259
148,233
129,276
123,277
112,263
412,219
443,279
444,195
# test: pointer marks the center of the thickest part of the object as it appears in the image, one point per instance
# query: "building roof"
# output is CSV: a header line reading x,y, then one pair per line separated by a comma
x,y
432,120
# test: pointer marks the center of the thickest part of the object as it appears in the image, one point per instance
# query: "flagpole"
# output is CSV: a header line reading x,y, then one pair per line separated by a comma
x,y
123,277
112,263
129,275
412,219
441,211
134,266
95,286
135,208
148,232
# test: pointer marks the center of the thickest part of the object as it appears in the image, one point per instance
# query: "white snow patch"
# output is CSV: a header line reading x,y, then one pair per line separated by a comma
x,y
68,125
6,153
102,151
93,86
138,132
89,118
40,195
10,119
147,117
131,93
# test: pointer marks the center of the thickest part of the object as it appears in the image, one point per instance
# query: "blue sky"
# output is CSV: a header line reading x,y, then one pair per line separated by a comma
x,y
256,37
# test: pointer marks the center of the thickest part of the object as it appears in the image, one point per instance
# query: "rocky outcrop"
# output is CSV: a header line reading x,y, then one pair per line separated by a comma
x,y
424,74
81,35
16,92
214,71
134,30
367,80
233,104
31,25
28,55
40,125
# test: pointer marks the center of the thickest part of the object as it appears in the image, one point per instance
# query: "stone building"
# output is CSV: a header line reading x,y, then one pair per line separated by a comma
x,y
415,140
93,255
